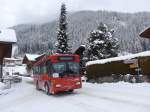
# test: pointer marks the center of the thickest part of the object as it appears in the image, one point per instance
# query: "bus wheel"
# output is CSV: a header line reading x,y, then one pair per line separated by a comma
x,y
47,89
37,86
71,90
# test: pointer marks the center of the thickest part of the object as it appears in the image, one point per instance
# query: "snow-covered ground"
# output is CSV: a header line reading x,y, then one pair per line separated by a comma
x,y
106,97
1,86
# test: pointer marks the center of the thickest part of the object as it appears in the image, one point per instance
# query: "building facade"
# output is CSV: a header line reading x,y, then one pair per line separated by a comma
x,y
8,46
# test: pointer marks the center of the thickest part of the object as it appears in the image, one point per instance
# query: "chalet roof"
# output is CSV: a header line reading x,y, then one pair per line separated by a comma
x,y
13,59
32,57
8,36
146,33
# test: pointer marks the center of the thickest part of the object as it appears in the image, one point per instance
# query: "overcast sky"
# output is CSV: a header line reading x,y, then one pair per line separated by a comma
x,y
15,12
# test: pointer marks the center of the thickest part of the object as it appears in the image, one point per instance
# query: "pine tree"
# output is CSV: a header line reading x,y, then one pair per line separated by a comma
x,y
101,44
62,37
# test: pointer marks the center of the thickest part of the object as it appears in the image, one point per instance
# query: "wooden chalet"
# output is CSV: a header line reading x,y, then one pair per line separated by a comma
x,y
7,42
135,64
29,60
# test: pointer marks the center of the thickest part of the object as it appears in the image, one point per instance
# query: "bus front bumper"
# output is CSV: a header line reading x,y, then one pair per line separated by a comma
x,y
62,87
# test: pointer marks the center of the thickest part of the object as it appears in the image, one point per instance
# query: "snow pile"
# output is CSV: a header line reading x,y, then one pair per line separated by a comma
x,y
127,57
28,79
8,35
1,86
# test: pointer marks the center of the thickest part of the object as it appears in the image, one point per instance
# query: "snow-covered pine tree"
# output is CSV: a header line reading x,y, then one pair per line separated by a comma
x,y
62,37
101,44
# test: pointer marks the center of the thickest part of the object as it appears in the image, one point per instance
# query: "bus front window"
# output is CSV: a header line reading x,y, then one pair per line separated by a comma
x,y
66,68
59,67
74,67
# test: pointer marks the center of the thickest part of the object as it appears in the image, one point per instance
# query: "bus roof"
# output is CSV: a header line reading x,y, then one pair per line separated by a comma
x,y
54,58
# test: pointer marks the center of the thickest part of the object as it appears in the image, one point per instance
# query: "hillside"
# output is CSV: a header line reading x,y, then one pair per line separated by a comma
x,y
37,38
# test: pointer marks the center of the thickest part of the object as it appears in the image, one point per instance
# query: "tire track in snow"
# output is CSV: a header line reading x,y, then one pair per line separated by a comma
x,y
16,101
129,93
83,105
93,103
115,99
84,100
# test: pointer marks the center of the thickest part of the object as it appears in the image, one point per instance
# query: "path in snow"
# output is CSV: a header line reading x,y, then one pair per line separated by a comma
x,y
118,97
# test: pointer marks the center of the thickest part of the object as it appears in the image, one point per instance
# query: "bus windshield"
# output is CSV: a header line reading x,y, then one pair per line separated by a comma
x,y
66,68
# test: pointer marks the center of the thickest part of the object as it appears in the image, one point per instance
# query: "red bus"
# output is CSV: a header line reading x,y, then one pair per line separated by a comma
x,y
57,73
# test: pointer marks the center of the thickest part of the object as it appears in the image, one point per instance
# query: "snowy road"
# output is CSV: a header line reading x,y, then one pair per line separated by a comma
x,y
114,97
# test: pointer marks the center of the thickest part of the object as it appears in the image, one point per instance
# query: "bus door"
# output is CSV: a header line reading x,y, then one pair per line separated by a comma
x,y
43,74
49,69
40,76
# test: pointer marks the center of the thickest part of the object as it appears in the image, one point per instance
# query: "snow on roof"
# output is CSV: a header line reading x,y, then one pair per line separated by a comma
x,y
14,59
83,45
120,58
8,35
32,57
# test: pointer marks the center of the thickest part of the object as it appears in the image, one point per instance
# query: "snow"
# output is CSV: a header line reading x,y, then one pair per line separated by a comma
x,y
1,85
15,69
82,45
12,58
126,57
32,57
8,35
122,23
101,42
106,97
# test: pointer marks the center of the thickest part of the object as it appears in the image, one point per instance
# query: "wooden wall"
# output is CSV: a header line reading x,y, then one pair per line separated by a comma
x,y
107,69
144,63
5,50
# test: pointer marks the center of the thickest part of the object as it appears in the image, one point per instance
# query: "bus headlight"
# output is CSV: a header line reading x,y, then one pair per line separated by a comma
x,y
78,83
58,85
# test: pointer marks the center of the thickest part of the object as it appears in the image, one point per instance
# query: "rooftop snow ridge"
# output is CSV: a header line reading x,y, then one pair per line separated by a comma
x,y
8,35
32,57
126,57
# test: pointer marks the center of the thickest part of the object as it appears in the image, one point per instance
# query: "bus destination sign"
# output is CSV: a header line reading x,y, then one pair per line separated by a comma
x,y
66,58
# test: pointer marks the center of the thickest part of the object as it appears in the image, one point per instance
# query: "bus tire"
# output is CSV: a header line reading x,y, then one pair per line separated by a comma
x,y
47,89
37,86
71,90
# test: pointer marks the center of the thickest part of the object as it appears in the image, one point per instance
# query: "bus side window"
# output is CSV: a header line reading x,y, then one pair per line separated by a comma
x,y
44,69
39,70
49,67
33,70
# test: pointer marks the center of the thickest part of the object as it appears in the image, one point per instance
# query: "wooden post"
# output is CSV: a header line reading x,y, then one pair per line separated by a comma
x,y
1,70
